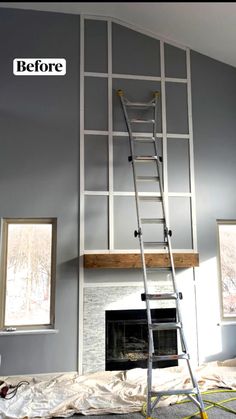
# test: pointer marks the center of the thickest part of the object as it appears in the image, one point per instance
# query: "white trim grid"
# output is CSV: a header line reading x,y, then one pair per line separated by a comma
x,y
164,135
110,134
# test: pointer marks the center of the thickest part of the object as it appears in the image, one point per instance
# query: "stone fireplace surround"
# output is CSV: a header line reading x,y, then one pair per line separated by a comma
x,y
109,290
98,299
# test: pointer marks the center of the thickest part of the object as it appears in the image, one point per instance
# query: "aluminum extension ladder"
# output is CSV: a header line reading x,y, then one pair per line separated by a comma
x,y
153,397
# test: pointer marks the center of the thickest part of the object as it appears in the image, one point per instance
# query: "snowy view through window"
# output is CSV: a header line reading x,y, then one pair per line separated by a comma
x,y
28,274
227,236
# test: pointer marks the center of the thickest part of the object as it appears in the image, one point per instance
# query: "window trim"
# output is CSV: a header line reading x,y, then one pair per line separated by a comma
x,y
224,319
5,222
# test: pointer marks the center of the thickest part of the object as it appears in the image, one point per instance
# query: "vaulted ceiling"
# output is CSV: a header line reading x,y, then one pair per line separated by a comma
x,y
209,28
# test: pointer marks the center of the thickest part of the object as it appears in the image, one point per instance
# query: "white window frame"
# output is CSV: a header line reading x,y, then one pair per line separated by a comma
x,y
5,222
225,318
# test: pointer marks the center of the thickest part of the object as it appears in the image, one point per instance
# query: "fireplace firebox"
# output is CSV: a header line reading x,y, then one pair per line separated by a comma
x,y
127,338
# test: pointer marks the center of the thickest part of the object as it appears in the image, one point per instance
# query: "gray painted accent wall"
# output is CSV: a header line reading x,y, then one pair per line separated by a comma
x,y
39,164
214,128
133,54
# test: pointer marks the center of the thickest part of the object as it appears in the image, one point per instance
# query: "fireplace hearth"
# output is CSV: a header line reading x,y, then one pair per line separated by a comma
x,y
127,338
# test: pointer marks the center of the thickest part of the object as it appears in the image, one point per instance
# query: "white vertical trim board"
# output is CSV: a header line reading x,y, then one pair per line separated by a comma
x,y
110,139
81,228
164,131
191,153
192,190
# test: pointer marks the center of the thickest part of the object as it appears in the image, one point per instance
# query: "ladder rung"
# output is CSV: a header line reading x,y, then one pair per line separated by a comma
x,y
142,121
145,158
165,326
147,178
150,198
174,392
140,104
144,140
155,270
170,357
153,220
164,296
156,244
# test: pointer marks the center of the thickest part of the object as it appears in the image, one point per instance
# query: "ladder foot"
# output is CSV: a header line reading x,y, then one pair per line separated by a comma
x,y
204,415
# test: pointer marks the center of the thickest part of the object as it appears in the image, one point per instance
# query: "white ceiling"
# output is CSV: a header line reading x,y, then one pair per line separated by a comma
x,y
209,28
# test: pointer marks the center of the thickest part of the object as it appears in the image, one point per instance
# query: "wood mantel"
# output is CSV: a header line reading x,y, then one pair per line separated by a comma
x,y
133,260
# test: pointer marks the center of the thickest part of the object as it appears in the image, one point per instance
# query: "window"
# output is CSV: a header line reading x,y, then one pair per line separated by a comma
x,y
28,253
227,267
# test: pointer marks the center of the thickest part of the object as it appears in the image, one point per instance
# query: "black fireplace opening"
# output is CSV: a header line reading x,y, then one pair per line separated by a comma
x,y
127,338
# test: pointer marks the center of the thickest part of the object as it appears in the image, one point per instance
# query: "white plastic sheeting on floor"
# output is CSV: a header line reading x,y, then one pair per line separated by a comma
x,y
105,392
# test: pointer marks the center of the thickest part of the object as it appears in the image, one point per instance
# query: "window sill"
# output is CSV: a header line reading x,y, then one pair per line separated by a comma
x,y
29,332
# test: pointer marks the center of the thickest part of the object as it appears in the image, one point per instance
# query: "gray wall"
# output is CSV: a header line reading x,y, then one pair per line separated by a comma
x,y
39,165
214,127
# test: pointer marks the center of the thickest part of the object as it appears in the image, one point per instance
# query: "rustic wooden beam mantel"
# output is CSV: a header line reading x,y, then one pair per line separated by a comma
x,y
133,260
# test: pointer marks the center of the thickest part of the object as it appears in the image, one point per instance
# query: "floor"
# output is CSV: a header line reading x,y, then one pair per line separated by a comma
x,y
183,410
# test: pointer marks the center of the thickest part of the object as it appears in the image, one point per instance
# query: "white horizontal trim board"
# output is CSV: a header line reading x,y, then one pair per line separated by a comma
x,y
93,74
136,77
128,251
113,284
181,136
175,80
127,193
93,17
97,193
95,132
136,134
180,194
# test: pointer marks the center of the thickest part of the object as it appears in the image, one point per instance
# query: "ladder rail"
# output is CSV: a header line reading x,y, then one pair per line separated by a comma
x,y
120,93
176,295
